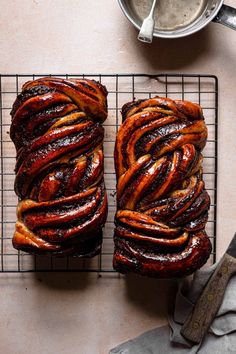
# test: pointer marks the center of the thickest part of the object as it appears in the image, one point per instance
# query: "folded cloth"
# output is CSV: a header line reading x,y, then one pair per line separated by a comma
x,y
221,336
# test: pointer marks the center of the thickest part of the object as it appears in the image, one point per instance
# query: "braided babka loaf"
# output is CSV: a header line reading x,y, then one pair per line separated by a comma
x,y
58,134
161,199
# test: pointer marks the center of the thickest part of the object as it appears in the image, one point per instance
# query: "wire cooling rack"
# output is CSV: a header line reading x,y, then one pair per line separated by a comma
x,y
122,88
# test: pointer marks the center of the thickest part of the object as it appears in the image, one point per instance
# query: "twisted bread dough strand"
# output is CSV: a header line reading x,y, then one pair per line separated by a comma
x,y
161,198
57,130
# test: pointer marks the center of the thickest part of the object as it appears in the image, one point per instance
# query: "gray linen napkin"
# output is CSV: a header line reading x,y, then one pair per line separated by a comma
x,y
220,339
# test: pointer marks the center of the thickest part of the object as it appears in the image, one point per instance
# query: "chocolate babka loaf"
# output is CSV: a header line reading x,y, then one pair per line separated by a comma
x,y
162,204
58,134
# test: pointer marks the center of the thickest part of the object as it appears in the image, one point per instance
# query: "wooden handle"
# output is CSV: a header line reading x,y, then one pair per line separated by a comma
x,y
209,302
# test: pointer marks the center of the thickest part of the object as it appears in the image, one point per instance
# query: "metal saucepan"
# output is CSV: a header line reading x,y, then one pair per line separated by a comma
x,y
213,10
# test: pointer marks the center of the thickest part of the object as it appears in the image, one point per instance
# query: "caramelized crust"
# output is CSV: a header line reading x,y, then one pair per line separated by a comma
x,y
161,198
58,134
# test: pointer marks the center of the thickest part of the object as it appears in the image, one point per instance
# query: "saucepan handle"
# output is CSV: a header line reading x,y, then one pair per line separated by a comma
x,y
226,16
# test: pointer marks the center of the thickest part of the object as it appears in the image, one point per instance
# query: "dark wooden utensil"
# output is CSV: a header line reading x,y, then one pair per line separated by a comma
x,y
211,298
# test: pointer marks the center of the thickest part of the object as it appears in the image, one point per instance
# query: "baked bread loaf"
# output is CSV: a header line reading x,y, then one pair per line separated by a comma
x,y
58,134
161,199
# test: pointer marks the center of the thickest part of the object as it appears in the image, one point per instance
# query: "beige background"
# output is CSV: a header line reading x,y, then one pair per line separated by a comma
x,y
83,314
